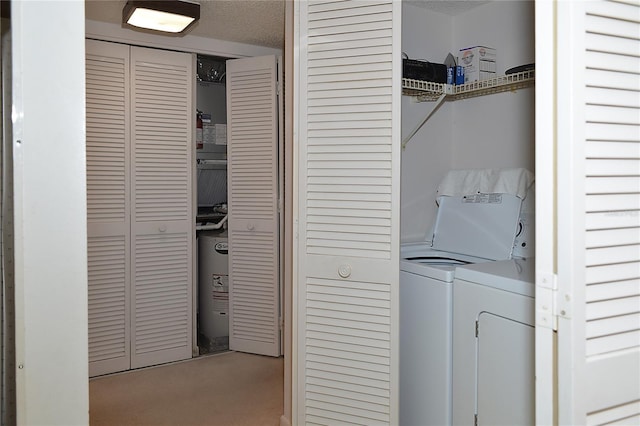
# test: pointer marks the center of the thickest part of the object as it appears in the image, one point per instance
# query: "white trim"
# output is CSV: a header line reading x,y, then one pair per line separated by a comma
x,y
571,211
299,126
189,43
195,350
289,239
396,173
295,256
545,359
281,197
563,105
52,377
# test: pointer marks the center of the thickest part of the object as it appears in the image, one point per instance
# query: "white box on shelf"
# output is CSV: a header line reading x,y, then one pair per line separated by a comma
x,y
479,63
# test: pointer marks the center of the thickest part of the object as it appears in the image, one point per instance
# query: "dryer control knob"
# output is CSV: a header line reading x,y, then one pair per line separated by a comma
x,y
344,271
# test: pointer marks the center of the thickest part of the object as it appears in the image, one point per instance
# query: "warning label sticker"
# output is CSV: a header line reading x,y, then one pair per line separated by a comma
x,y
483,199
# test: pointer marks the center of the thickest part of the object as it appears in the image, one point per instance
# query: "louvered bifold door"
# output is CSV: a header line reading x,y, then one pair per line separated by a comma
x,y
348,212
599,213
252,148
163,219
108,223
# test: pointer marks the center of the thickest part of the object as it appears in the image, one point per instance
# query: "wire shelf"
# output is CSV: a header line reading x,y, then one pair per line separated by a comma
x,y
426,91
423,90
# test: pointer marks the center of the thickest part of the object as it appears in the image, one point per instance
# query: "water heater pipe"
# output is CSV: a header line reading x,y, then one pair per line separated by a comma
x,y
212,226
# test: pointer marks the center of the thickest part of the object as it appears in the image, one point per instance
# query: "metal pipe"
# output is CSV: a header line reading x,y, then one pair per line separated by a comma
x,y
212,226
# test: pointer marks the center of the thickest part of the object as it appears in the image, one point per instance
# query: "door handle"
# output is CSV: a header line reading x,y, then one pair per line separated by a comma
x,y
344,271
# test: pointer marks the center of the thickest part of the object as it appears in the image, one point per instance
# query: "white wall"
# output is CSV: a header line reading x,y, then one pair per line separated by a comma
x,y
427,157
497,130
483,132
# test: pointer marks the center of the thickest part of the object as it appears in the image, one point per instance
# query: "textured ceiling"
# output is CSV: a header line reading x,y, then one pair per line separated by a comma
x,y
449,7
257,22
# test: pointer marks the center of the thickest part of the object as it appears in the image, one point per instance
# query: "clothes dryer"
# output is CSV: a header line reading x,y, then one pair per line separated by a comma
x,y
493,337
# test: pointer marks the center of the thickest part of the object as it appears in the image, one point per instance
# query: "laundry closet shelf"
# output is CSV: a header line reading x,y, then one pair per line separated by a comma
x,y
426,91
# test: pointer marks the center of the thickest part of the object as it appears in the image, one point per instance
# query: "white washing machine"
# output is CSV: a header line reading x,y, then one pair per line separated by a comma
x,y
493,337
468,230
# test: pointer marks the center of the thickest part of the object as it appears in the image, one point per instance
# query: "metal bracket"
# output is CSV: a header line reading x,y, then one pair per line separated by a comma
x,y
439,101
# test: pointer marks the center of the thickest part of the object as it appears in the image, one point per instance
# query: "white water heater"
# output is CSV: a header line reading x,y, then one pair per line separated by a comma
x,y
213,291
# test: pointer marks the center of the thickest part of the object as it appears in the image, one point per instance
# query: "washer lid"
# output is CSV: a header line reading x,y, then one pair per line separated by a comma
x,y
479,225
439,265
515,275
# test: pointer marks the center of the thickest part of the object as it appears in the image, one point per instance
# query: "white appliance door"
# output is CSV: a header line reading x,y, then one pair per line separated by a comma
x,y
252,147
505,379
162,207
348,161
108,206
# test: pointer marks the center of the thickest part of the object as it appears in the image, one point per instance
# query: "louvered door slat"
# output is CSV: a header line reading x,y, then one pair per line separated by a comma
x,y
612,237
348,213
162,275
612,44
613,290
623,415
108,223
601,23
252,132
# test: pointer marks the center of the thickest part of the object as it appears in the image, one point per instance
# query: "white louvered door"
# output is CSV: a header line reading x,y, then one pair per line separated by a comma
x,y
252,148
599,212
108,224
347,96
162,212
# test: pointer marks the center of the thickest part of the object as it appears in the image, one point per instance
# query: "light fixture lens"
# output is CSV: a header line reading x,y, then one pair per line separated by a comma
x,y
159,21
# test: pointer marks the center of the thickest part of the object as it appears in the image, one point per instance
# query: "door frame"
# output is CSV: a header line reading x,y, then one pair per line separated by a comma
x,y
50,212
546,200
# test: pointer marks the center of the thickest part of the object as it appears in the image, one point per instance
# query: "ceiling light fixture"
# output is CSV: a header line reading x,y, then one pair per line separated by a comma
x,y
172,16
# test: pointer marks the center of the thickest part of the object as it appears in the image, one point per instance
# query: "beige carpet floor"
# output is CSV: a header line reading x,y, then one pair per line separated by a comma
x,y
229,389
